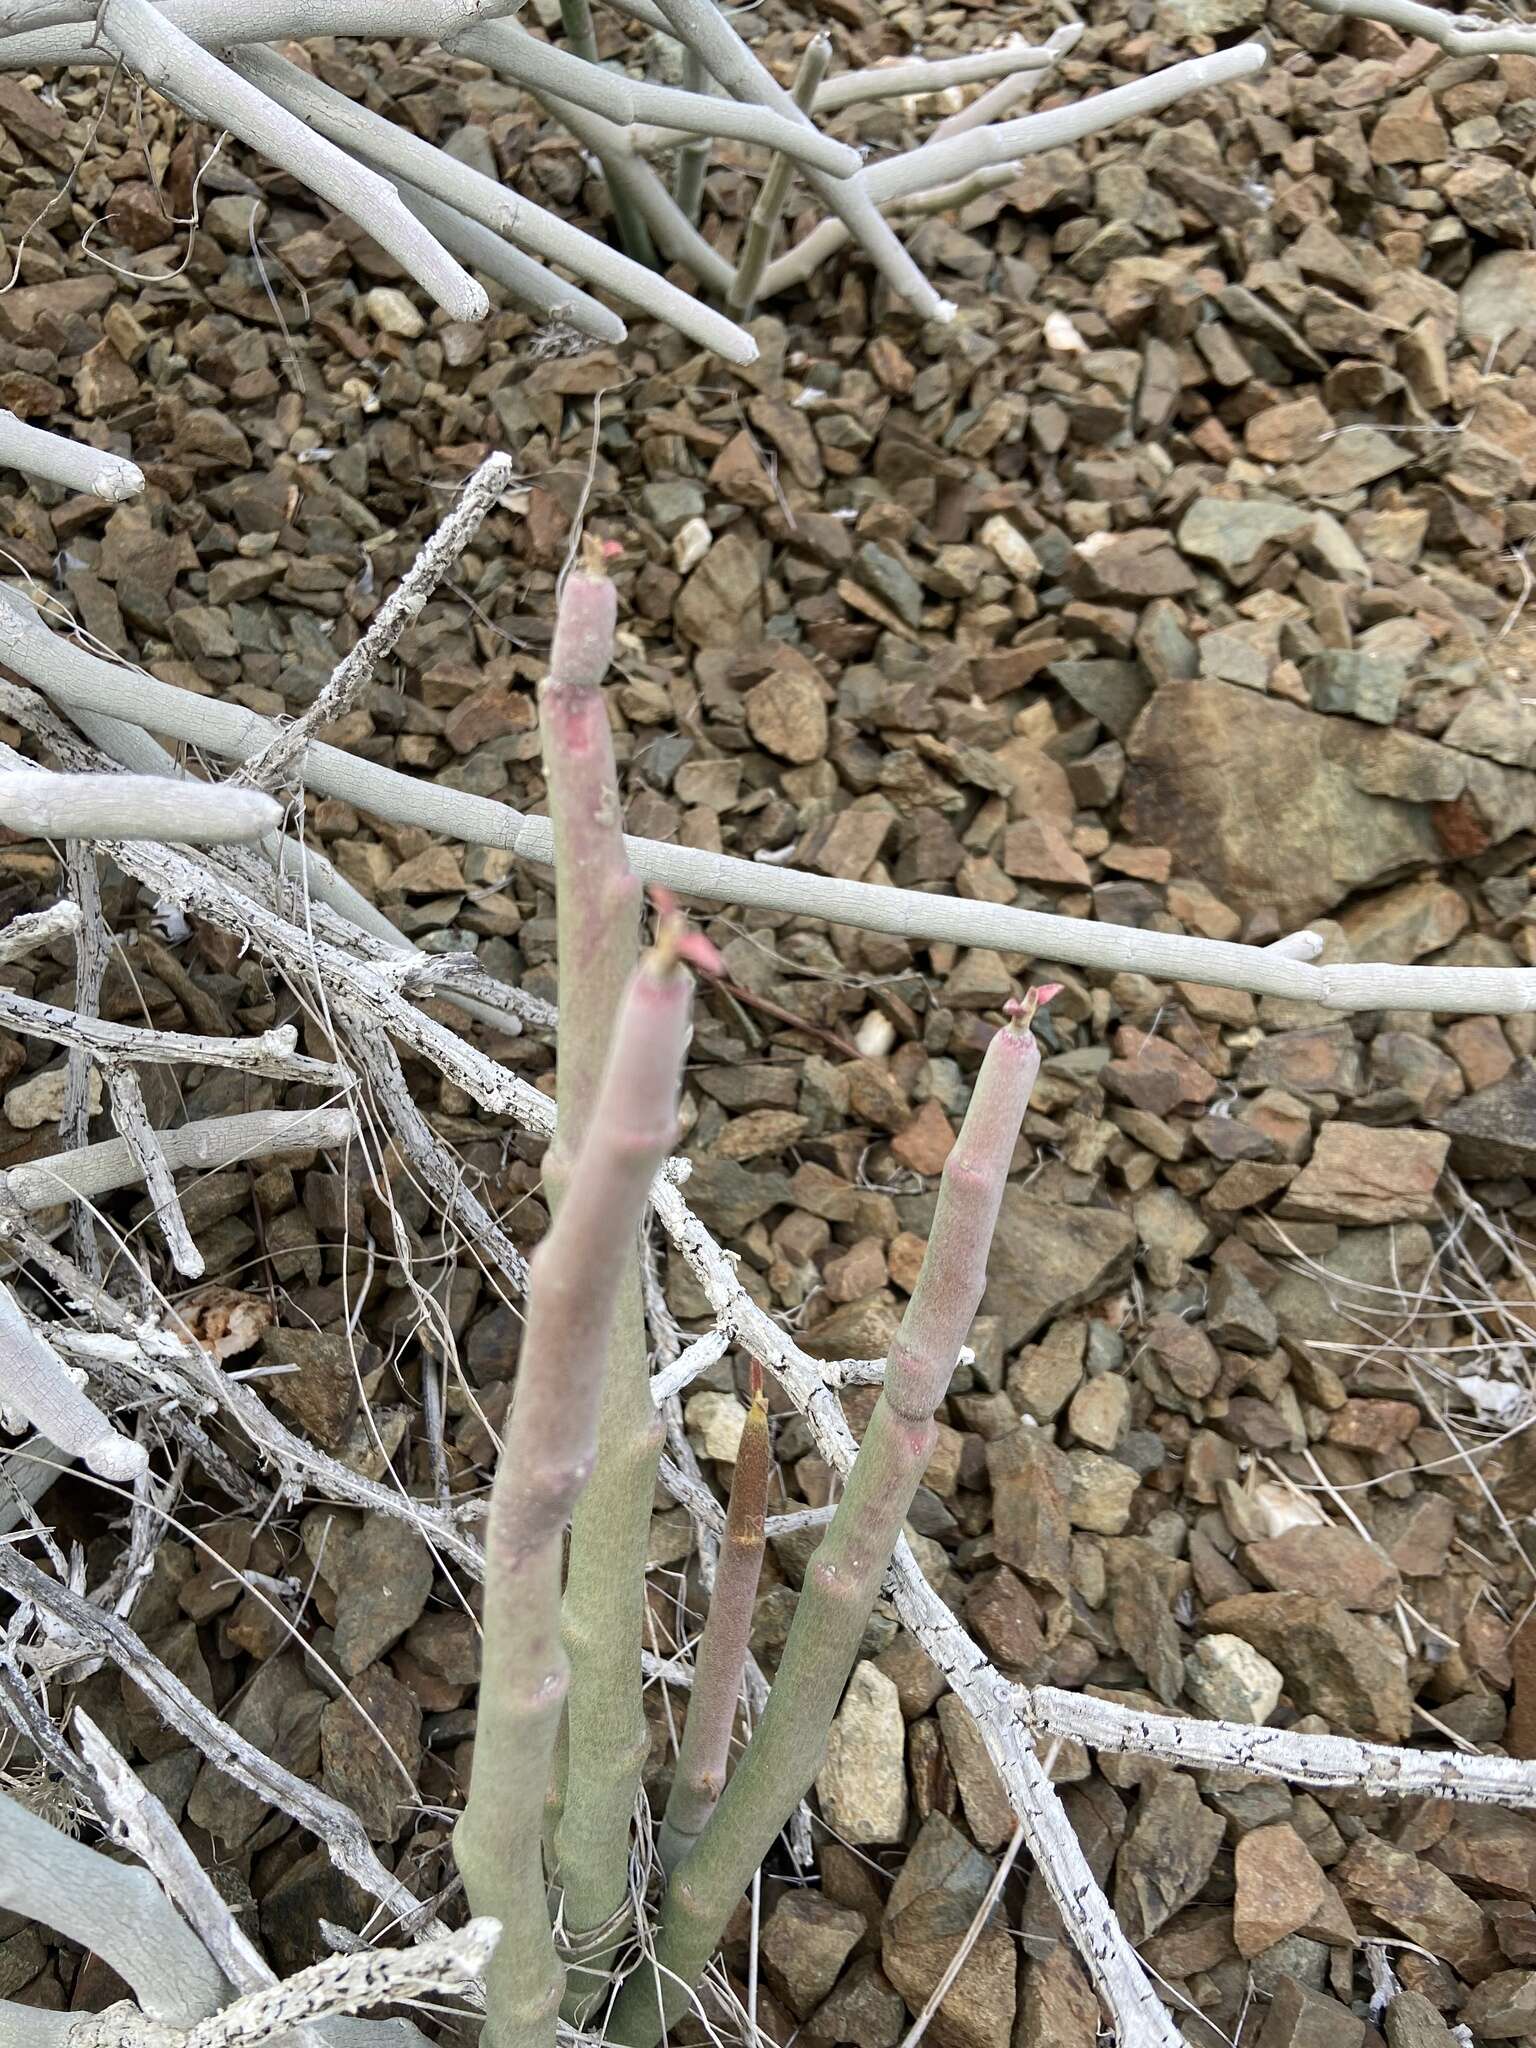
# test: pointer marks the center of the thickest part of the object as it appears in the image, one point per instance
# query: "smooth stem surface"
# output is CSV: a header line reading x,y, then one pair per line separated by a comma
x,y
546,1459
576,20
597,906
693,158
704,1754
763,225
845,1574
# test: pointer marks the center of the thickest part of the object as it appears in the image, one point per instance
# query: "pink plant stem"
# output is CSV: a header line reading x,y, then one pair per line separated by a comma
x,y
705,1752
597,899
546,1459
845,1574
597,906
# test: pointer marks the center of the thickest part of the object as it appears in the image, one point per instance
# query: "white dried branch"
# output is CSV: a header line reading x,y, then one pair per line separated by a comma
x,y
95,1170
56,459
992,105
138,1134
901,80
960,155
898,177
701,27
93,954
26,1473
46,805
175,65
1463,35
352,676
699,1356
1297,946
301,1467
112,1908
948,198
449,1963
153,1388
222,23
36,1383
1320,1760
402,155
453,976
434,1163
529,282
267,1052
634,184
70,676
219,23
545,68
107,1636
24,935
141,1823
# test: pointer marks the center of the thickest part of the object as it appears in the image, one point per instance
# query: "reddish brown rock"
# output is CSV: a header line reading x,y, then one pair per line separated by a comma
x,y
1282,1889
1414,1899
1358,1174
1331,1562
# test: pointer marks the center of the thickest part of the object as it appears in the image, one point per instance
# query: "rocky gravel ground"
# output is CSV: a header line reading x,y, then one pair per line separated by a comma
x,y
1179,584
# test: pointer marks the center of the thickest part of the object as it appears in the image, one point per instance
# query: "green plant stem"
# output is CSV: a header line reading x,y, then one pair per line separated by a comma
x,y
634,235
763,225
576,20
693,158
704,1755
597,903
525,1674
548,1453
845,1573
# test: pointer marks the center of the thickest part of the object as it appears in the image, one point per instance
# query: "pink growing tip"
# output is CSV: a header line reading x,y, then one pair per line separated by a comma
x,y
596,554
1021,1013
677,939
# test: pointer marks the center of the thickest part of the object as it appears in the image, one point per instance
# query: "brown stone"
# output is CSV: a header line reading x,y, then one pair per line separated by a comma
x,y
1031,1485
1358,1174
1502,2007
1333,1665
1057,2008
370,1743
927,1140
1151,1074
1166,1856
1330,1561
1282,1889
1247,790
933,1902
786,715
1373,1425
1035,850
1414,1899
1299,2018
805,1942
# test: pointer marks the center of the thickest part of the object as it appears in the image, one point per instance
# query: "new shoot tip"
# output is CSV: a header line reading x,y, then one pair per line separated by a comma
x,y
1021,1012
677,942
598,556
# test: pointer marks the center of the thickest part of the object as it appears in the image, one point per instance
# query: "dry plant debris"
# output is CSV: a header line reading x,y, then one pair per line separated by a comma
x,y
1177,584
